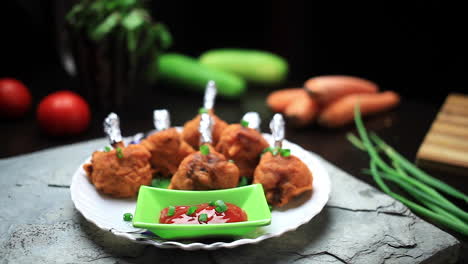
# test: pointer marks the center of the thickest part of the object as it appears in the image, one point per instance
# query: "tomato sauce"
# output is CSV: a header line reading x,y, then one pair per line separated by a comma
x,y
232,214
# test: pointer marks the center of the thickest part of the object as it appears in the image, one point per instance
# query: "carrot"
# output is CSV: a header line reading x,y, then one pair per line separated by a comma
x,y
302,110
341,111
279,100
331,87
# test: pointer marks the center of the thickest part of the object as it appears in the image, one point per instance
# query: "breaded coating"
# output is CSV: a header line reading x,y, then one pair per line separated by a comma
x,y
283,178
244,146
167,149
192,136
205,172
120,177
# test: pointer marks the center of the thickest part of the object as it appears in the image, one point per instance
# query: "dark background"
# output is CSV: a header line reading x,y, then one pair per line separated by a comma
x,y
417,48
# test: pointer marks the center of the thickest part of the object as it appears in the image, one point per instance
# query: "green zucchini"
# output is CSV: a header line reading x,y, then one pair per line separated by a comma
x,y
187,72
254,66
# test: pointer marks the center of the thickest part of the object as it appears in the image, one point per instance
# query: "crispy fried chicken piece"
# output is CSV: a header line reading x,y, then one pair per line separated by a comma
x,y
243,145
167,149
120,177
192,136
283,178
205,172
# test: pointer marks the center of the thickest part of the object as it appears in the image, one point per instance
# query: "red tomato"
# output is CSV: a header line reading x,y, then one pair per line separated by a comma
x,y
63,113
15,98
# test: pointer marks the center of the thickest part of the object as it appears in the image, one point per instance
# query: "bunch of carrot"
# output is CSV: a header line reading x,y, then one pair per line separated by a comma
x,y
331,100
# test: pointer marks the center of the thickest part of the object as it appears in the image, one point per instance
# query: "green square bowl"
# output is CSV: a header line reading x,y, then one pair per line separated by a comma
x,y
152,200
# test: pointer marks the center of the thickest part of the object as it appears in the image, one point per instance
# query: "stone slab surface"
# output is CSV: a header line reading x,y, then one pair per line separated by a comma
x,y
38,224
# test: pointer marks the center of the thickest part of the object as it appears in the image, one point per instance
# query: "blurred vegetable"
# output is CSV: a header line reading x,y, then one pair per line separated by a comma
x,y
280,99
420,185
341,111
329,88
63,113
15,98
185,71
254,66
331,99
128,18
302,111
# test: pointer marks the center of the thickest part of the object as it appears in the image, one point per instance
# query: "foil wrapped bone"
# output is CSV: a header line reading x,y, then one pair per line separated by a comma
x,y
161,119
112,129
254,120
277,127
205,129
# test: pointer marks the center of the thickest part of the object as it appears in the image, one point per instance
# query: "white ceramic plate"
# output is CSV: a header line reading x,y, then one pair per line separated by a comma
x,y
106,212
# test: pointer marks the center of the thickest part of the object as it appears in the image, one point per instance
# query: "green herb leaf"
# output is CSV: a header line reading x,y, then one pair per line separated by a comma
x,y
162,183
127,217
171,211
204,149
203,218
134,19
119,153
212,203
285,152
202,111
105,27
191,210
244,123
243,182
107,149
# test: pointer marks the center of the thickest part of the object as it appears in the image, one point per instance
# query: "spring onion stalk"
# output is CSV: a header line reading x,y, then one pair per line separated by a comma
x,y
455,225
414,181
426,198
418,173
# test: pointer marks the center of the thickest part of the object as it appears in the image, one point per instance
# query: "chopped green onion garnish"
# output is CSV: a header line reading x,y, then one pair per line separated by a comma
x,y
203,217
202,111
243,182
107,149
244,123
212,203
204,149
127,217
275,151
119,153
269,149
162,183
231,161
191,210
171,211
221,207
285,152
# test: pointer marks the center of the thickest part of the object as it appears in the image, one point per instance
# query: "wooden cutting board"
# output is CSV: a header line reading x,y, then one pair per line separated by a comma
x,y
445,146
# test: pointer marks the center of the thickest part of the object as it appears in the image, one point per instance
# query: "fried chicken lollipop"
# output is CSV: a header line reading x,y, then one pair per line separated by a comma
x,y
243,144
119,172
282,175
190,133
166,146
205,169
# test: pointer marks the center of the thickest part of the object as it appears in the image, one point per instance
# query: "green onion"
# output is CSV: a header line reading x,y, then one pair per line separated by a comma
x,y
221,207
107,149
285,152
243,182
202,111
268,149
203,217
418,173
171,211
191,210
244,123
127,217
119,153
420,185
231,161
212,203
204,149
162,183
